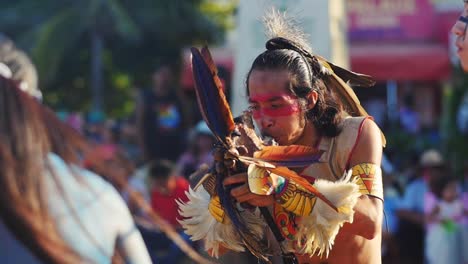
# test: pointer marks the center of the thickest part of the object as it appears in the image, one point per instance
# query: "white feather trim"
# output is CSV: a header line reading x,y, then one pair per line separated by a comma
x,y
200,224
316,233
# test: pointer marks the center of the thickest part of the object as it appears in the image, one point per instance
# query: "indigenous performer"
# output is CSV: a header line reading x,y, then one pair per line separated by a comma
x,y
327,205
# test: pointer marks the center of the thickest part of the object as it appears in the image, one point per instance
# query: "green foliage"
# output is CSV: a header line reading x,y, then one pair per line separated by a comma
x,y
455,143
137,36
221,13
450,141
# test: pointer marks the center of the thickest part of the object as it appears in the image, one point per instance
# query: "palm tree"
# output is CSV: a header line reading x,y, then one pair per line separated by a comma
x,y
55,30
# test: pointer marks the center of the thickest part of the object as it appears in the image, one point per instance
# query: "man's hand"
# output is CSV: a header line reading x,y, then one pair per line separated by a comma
x,y
243,194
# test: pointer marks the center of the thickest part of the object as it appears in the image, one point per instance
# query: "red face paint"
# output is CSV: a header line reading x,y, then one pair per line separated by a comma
x,y
274,105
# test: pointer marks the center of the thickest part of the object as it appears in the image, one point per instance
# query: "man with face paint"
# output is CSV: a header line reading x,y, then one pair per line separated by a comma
x,y
292,100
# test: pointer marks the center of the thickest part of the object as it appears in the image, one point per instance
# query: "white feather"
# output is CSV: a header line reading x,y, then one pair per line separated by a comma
x,y
316,233
280,24
201,225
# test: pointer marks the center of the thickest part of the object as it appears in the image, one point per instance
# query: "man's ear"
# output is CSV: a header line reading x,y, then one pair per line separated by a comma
x,y
312,98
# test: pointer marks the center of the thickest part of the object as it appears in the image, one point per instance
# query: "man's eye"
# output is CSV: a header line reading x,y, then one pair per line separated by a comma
x,y
275,106
253,107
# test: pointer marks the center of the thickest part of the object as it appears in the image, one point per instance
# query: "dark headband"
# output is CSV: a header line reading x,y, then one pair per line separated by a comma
x,y
282,43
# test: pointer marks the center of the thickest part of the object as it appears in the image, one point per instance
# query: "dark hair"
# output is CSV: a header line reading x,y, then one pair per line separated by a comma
x,y
305,76
161,169
438,185
28,133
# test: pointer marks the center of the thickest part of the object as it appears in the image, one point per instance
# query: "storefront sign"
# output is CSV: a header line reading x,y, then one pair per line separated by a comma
x,y
390,19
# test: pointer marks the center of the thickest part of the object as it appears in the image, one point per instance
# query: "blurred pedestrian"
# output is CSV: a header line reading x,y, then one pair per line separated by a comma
x,y
199,152
410,210
129,141
166,189
409,117
160,118
447,230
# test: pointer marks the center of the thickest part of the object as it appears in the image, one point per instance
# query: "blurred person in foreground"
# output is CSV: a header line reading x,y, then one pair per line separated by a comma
x,y
155,220
296,99
53,210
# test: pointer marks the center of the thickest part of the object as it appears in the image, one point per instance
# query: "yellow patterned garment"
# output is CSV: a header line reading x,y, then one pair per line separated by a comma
x,y
216,210
331,166
259,180
296,199
369,178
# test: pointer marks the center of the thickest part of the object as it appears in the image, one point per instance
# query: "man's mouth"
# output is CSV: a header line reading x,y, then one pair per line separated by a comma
x,y
268,139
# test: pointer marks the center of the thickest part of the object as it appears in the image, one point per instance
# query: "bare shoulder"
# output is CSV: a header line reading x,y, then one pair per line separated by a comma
x,y
368,147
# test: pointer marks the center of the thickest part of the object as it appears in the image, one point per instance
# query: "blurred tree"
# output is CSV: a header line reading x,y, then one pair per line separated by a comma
x,y
108,45
455,142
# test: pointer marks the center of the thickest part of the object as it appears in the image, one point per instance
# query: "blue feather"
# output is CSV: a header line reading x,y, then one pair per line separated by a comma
x,y
225,198
211,100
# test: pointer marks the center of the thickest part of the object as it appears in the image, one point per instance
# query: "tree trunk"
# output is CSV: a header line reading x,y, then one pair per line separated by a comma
x,y
96,70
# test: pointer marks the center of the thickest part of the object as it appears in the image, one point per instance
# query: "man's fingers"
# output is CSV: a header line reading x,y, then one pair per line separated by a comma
x,y
230,163
218,154
248,197
236,178
241,190
256,200
242,150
